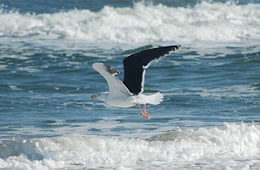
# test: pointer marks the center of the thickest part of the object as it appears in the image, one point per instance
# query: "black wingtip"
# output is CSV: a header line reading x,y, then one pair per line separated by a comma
x,y
176,47
172,47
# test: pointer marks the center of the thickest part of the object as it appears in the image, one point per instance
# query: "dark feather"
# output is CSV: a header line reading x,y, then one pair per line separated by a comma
x,y
111,70
135,64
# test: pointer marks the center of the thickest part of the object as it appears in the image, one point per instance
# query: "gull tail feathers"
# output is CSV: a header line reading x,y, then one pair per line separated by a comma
x,y
156,98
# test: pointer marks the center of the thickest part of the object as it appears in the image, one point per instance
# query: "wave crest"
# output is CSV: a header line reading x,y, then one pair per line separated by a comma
x,y
230,146
142,23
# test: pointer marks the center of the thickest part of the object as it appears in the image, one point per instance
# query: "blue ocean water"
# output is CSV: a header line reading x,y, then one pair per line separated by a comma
x,y
210,115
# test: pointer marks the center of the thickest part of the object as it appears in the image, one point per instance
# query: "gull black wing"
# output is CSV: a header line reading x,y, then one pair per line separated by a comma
x,y
135,65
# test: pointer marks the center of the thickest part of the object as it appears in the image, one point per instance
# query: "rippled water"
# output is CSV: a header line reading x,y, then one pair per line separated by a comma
x,y
210,114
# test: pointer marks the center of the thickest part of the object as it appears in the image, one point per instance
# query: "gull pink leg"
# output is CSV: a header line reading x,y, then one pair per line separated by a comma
x,y
140,110
145,114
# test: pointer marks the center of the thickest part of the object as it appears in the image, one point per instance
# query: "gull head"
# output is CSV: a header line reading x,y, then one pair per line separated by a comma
x,y
101,96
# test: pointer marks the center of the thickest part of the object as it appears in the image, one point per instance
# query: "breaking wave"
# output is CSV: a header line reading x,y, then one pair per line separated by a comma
x,y
223,147
143,23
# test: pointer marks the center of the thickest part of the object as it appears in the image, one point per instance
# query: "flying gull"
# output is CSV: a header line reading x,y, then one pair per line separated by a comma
x,y
129,92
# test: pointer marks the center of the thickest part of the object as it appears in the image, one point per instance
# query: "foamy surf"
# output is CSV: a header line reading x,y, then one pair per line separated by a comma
x,y
223,22
227,147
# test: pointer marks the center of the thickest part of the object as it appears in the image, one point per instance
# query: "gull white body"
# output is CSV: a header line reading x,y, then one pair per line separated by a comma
x,y
116,101
127,100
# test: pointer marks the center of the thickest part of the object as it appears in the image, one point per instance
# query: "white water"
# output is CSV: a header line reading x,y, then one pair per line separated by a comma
x,y
234,146
223,22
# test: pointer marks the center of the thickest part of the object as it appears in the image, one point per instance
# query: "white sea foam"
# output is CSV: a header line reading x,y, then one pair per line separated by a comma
x,y
222,22
14,57
3,67
29,69
14,87
235,91
234,146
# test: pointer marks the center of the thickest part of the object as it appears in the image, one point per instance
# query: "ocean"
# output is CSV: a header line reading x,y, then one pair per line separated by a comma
x,y
210,116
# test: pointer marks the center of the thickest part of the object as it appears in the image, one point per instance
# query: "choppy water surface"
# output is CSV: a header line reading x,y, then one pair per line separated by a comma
x,y
210,114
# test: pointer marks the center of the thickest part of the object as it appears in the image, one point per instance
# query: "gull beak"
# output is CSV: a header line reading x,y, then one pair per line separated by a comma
x,y
93,96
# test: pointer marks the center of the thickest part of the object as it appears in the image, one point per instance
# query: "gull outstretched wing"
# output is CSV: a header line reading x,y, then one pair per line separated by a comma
x,y
135,65
116,86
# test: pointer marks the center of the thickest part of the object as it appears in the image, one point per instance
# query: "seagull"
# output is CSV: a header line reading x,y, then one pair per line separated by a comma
x,y
129,92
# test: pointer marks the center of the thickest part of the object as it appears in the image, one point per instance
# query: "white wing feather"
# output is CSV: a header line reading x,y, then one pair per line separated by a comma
x,y
116,86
